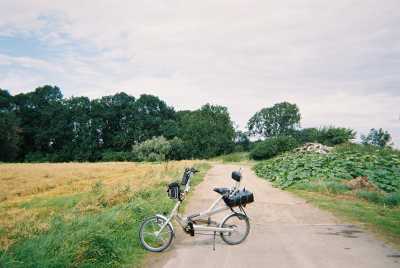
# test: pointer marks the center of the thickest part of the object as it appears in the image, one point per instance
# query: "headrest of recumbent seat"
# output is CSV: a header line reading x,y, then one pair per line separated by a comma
x,y
236,175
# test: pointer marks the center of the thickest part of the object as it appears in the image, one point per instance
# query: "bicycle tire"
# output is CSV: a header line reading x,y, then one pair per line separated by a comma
x,y
226,237
143,233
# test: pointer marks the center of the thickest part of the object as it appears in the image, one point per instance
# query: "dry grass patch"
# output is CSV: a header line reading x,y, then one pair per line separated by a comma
x,y
32,193
27,180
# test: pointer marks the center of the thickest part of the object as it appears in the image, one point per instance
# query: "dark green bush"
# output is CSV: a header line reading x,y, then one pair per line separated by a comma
x,y
327,135
306,135
264,150
272,147
335,135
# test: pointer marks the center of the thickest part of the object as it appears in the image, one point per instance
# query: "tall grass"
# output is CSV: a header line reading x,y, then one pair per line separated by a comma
x,y
94,228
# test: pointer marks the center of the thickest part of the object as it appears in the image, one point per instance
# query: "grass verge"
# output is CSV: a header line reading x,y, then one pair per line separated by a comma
x,y
97,228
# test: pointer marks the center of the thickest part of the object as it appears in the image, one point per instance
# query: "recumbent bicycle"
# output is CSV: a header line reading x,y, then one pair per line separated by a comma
x,y
156,233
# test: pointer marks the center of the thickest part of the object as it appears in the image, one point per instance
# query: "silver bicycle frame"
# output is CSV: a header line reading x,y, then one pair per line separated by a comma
x,y
212,210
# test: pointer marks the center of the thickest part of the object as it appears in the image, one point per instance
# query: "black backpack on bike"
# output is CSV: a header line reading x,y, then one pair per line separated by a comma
x,y
240,198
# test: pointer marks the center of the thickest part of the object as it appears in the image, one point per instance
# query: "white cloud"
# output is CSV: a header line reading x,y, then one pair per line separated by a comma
x,y
338,60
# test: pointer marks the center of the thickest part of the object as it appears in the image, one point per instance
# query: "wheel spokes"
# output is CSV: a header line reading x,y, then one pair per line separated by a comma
x,y
152,235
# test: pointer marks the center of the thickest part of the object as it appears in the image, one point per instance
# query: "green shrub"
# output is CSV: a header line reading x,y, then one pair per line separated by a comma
x,y
335,135
155,149
272,147
327,135
306,135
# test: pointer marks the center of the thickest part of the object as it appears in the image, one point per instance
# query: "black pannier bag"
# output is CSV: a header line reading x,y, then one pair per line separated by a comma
x,y
240,198
174,190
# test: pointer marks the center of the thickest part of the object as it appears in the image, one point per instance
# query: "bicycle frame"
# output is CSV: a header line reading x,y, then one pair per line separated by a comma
x,y
212,210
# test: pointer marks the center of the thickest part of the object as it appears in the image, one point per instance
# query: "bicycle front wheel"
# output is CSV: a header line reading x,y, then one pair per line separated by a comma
x,y
241,228
150,236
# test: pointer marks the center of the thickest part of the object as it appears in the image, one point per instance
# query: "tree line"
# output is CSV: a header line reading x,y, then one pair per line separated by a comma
x,y
43,126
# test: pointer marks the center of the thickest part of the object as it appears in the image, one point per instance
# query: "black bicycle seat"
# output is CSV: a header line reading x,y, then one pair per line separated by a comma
x,y
221,190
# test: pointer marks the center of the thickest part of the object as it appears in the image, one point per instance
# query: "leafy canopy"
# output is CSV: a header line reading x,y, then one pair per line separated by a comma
x,y
277,120
208,132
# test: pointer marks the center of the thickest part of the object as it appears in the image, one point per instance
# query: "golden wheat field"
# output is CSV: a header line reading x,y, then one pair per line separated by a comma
x,y
23,186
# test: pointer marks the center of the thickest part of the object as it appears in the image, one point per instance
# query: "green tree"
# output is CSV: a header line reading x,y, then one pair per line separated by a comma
x,y
179,150
41,115
84,143
114,116
208,131
277,120
242,141
152,118
7,102
377,137
9,134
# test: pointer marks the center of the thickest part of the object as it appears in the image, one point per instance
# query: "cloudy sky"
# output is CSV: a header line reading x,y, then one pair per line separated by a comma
x,y
338,60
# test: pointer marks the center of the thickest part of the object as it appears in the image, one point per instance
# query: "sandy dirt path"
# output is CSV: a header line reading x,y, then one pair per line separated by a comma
x,y
285,232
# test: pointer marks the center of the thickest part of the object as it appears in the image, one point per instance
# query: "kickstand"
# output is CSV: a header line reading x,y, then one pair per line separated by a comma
x,y
214,241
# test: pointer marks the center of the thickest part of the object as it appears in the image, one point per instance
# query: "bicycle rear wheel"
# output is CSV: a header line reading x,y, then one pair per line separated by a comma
x,y
241,228
148,234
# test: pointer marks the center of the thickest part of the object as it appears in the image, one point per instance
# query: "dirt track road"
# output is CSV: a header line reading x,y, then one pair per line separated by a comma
x,y
285,232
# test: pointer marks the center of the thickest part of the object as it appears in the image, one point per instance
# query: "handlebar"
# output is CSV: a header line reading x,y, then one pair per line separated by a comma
x,y
187,177
193,170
